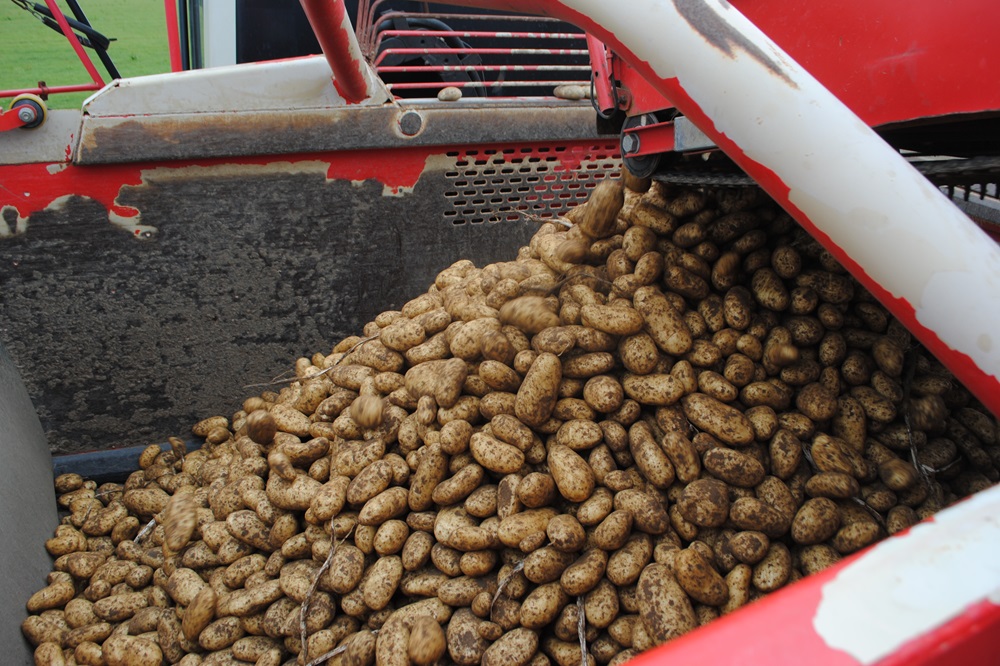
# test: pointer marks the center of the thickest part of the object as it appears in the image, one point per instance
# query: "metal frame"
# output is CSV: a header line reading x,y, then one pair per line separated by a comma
x,y
97,82
516,50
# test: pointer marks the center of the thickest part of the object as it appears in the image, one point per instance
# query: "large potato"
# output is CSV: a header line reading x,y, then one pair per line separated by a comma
x,y
537,395
719,419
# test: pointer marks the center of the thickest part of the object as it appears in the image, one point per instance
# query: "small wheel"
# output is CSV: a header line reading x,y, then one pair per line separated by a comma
x,y
32,104
645,166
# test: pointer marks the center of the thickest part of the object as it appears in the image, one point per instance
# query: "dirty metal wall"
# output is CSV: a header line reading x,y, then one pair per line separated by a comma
x,y
122,341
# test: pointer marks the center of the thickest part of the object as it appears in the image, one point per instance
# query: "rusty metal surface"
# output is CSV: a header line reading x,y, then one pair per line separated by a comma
x,y
108,140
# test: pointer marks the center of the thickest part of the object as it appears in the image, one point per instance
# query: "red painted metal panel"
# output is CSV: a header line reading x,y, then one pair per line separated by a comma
x,y
889,62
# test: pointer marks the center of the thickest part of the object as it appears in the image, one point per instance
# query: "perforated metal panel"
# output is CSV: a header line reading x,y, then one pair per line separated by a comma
x,y
504,184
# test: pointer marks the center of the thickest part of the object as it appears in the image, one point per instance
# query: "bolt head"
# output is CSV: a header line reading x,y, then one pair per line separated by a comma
x,y
630,143
26,114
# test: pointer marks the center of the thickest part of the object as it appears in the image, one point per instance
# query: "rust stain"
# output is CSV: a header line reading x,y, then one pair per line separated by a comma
x,y
720,34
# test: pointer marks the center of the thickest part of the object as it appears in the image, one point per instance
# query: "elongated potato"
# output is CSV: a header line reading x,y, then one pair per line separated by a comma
x,y
665,609
719,419
537,395
663,323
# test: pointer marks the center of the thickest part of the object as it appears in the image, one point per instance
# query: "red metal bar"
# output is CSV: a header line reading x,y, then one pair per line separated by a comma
x,y
653,139
484,68
88,64
173,35
477,84
471,17
335,34
604,94
51,90
9,120
483,51
484,33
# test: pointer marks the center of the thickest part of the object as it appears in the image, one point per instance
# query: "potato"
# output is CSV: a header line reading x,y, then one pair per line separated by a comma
x,y
514,528
748,547
718,419
542,605
601,209
495,455
663,322
705,502
698,578
440,379
653,389
426,642
198,614
749,513
531,314
898,474
538,392
390,503
665,609
648,512
612,319
626,564
458,486
733,467
565,533
515,647
855,536
774,570
649,457
131,651
120,607
582,575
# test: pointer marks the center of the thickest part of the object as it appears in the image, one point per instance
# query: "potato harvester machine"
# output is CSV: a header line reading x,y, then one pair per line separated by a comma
x,y
182,236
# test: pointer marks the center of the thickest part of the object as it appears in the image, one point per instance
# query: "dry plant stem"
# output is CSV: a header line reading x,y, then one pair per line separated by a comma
x,y
581,629
312,590
503,584
910,369
286,380
809,457
541,220
874,514
145,530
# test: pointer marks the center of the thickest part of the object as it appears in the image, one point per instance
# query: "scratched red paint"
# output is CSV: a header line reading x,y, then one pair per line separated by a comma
x,y
30,188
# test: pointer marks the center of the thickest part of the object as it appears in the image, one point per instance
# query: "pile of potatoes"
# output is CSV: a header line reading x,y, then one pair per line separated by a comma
x,y
671,403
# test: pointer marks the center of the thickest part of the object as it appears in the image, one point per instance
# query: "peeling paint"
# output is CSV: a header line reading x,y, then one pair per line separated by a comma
x,y
49,186
720,33
20,223
907,586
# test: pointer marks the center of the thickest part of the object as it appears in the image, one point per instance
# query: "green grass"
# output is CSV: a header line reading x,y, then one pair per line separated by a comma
x,y
30,52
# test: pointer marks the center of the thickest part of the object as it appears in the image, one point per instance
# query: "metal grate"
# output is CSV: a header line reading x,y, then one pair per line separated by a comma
x,y
498,185
419,48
